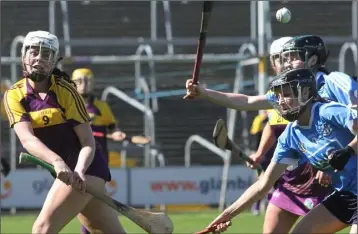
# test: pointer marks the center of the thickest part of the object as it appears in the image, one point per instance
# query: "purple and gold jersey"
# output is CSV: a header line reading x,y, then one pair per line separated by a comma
x,y
278,125
277,122
102,119
52,118
4,85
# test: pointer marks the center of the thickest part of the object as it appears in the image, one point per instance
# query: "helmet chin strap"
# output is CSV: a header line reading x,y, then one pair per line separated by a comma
x,y
293,115
38,77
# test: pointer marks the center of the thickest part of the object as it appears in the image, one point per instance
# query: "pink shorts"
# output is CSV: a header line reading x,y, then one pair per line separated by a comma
x,y
294,203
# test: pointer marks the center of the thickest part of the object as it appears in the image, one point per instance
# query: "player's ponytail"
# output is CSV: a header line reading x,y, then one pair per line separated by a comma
x,y
62,75
321,99
323,69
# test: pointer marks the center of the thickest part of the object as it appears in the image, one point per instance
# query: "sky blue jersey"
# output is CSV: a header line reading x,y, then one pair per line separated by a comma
x,y
336,86
330,128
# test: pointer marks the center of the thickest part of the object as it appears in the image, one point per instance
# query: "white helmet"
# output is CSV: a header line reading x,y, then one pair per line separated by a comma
x,y
277,45
40,40
275,51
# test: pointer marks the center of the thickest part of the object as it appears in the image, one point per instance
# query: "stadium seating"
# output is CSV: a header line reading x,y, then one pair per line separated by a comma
x,y
176,119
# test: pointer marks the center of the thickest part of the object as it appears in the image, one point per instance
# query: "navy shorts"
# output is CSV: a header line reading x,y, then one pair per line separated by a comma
x,y
99,166
343,205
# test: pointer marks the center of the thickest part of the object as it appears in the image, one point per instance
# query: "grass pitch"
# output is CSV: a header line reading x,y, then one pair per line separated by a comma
x,y
183,223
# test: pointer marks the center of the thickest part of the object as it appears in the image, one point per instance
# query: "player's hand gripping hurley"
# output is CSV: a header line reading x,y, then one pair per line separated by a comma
x,y
211,229
154,223
222,141
139,140
206,13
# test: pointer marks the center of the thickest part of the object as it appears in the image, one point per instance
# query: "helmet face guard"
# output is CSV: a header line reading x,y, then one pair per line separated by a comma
x,y
302,48
39,54
276,66
275,50
294,58
293,91
38,62
289,101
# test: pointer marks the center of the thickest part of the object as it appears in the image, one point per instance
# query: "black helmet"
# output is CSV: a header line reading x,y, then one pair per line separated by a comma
x,y
302,89
306,46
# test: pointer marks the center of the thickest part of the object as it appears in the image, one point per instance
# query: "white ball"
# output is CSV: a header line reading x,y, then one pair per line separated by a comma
x,y
283,15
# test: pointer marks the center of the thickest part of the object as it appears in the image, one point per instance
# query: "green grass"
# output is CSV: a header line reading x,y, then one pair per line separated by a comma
x,y
183,223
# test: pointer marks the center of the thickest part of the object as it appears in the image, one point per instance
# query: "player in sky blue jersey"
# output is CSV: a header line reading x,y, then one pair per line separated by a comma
x,y
322,133
304,51
297,191
310,51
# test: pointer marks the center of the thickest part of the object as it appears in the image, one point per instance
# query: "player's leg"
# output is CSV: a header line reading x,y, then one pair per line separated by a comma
x,y
62,204
336,212
354,229
97,216
278,220
319,220
285,207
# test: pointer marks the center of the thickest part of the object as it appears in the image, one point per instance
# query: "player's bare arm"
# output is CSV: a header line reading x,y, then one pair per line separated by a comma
x,y
267,141
88,144
255,192
230,100
32,144
117,134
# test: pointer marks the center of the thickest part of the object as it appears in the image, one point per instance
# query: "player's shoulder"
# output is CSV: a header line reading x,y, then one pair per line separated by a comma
x,y
17,90
330,108
337,77
64,87
327,106
103,106
100,103
18,85
335,74
289,128
61,83
286,135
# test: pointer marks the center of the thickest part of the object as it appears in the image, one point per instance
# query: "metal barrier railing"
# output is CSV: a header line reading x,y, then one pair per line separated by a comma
x,y
342,55
65,24
202,141
225,155
138,72
148,117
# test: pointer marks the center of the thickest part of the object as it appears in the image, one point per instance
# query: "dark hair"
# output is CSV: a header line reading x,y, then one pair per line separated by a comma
x,y
62,75
323,69
318,98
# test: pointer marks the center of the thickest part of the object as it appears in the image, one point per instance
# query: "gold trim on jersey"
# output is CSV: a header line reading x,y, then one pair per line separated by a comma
x,y
77,99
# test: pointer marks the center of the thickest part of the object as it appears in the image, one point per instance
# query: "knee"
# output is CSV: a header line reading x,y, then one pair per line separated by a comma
x,y
41,226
